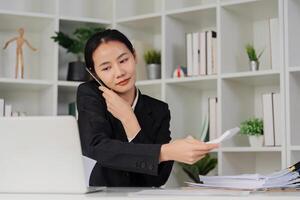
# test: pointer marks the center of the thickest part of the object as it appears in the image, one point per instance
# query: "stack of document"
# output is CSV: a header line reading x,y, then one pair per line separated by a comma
x,y
286,178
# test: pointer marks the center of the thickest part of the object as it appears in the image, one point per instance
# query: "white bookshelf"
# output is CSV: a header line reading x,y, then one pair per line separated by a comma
x,y
162,24
292,74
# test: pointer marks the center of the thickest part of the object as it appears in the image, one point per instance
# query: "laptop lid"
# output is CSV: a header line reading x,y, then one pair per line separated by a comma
x,y
41,155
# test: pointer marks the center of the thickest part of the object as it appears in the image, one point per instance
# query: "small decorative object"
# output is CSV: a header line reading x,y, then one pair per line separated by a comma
x,y
254,129
152,59
253,58
20,40
179,72
75,44
201,167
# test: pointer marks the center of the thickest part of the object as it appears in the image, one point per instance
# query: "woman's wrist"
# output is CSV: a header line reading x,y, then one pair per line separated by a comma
x,y
165,152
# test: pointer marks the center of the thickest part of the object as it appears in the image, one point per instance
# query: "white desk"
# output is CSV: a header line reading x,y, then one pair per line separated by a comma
x,y
124,193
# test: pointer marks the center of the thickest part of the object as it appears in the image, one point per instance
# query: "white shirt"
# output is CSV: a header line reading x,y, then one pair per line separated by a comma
x,y
133,107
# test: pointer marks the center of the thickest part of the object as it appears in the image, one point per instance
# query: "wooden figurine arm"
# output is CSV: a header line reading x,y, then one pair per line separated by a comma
x,y
9,41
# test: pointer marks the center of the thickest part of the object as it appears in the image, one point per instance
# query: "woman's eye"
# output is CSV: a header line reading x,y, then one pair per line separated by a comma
x,y
124,60
106,68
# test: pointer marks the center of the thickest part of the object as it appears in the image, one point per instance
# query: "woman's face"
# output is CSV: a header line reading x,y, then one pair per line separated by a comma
x,y
115,65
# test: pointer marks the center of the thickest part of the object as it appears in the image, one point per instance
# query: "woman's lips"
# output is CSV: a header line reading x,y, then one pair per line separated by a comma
x,y
124,82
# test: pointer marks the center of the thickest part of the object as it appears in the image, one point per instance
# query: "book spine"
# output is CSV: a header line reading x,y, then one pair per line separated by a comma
x,y
203,69
277,120
195,54
1,107
189,54
8,111
268,119
212,118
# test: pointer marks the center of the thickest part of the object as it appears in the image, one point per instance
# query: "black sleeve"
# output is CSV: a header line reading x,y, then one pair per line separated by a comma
x,y
164,168
96,138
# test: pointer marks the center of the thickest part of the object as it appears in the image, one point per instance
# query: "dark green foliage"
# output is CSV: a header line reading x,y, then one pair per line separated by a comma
x,y
75,43
252,126
202,167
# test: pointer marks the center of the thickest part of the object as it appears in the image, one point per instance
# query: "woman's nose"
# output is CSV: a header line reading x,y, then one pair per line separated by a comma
x,y
119,72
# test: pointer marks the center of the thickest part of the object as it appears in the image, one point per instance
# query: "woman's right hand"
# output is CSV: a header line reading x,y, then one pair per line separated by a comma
x,y
187,150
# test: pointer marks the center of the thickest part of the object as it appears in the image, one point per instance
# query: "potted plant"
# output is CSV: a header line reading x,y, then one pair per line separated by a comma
x,y
254,129
253,58
152,59
75,44
201,167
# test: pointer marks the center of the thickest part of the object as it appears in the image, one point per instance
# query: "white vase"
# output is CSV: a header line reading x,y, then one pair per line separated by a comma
x,y
256,141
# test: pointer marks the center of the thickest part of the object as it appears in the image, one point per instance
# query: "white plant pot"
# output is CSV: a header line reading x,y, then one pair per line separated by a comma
x,y
256,141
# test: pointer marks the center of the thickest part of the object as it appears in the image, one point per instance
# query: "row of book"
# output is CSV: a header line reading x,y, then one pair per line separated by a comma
x,y
201,53
271,119
266,38
209,129
6,110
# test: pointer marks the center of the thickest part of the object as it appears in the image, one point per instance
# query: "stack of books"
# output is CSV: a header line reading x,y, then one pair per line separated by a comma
x,y
7,111
271,118
201,53
286,178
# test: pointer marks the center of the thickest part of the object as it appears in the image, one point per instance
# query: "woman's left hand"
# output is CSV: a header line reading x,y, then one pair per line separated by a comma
x,y
121,110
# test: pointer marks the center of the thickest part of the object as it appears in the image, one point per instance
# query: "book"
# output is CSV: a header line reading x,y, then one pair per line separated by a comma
x,y
196,52
73,110
8,110
277,119
214,56
189,54
2,107
268,119
274,40
204,129
210,59
213,118
203,67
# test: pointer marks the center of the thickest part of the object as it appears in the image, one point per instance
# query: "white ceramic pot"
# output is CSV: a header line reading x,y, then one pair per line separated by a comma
x,y
256,141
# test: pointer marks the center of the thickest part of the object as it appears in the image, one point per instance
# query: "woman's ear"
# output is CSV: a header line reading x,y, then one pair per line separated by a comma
x,y
135,56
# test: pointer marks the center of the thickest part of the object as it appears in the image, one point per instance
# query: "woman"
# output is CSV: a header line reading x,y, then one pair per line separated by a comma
x,y
126,132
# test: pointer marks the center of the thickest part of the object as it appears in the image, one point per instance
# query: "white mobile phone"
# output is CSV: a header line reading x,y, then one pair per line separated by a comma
x,y
225,136
95,78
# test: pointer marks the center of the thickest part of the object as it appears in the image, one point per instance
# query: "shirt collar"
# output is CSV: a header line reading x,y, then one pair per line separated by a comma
x,y
135,99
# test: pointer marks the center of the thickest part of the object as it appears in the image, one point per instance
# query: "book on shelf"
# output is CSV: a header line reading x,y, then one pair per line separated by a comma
x,y
266,39
211,37
189,54
201,53
277,119
268,119
2,107
8,110
213,130
204,129
73,110
271,119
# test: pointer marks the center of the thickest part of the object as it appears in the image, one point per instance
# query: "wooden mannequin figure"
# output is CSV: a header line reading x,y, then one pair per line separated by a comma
x,y
20,40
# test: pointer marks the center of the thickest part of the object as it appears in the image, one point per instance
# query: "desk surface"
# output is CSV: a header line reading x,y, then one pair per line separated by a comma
x,y
128,193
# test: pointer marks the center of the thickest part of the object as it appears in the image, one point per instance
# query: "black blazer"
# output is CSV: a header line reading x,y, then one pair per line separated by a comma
x,y
121,163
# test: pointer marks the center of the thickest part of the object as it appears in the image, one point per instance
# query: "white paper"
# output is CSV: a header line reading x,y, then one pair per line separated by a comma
x,y
190,192
89,165
225,136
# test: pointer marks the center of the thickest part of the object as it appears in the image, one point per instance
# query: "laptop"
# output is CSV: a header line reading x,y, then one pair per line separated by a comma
x,y
41,155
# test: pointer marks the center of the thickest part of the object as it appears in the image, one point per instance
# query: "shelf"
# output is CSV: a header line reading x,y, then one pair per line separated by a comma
x,y
29,6
294,109
250,162
69,83
294,69
249,22
85,20
7,84
188,103
292,12
144,34
251,149
192,9
91,9
183,23
134,8
27,14
37,64
198,83
235,2
178,5
294,148
148,82
258,78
